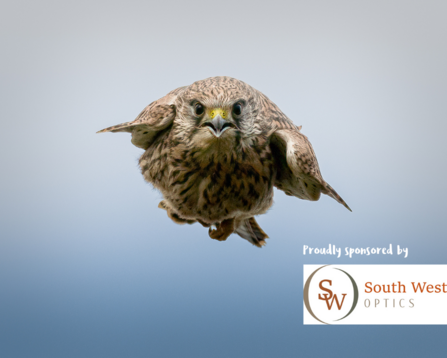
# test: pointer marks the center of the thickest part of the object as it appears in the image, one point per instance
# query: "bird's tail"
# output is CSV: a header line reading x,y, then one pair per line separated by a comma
x,y
250,230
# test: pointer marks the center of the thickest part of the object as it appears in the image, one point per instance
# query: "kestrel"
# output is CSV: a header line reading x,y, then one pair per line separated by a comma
x,y
215,150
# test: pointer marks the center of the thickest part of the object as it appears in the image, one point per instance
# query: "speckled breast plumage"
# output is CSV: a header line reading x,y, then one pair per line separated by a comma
x,y
211,186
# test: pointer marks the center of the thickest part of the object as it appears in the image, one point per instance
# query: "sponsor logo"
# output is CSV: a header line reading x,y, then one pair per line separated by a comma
x,y
326,293
374,294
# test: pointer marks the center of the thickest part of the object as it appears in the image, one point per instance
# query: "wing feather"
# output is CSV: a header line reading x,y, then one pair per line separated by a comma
x,y
298,173
156,117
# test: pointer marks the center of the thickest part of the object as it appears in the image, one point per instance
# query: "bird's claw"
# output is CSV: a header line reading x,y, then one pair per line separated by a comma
x,y
174,216
217,234
222,231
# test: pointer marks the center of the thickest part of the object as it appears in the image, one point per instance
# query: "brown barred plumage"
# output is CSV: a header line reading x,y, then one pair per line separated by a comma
x,y
220,169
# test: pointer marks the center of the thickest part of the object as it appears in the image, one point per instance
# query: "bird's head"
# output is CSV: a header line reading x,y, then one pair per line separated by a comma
x,y
216,111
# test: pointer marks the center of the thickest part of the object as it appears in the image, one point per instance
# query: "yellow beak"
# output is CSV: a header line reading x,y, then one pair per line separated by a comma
x,y
218,124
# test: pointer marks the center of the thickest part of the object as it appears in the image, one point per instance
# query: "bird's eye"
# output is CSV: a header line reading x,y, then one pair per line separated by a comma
x,y
237,109
199,109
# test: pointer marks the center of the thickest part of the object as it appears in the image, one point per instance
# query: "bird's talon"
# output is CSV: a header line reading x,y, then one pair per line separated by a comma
x,y
222,231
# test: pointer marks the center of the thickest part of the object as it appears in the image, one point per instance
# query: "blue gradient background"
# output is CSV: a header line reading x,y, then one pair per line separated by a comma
x,y
90,267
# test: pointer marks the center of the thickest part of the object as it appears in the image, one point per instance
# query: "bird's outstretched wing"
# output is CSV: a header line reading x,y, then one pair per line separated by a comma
x,y
156,117
298,173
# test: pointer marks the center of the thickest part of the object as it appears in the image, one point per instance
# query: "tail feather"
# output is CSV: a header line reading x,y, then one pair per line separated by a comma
x,y
333,194
250,230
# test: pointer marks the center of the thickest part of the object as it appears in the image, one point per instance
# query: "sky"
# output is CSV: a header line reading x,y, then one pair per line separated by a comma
x,y
90,267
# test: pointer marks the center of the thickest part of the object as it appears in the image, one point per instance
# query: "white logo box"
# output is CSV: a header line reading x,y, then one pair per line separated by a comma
x,y
375,294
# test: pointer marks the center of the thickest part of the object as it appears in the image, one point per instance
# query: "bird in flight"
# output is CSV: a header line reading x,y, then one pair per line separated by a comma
x,y
215,150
